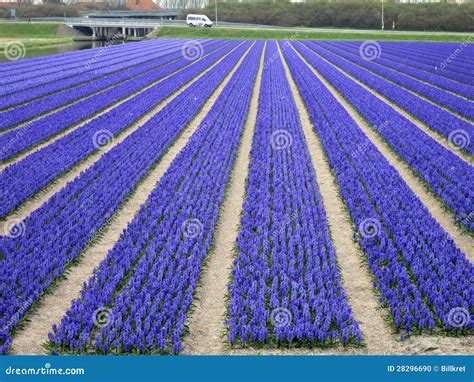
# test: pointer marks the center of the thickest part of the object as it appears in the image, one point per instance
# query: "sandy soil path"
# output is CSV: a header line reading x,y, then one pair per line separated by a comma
x,y
355,276
423,344
399,69
436,209
441,139
206,324
38,117
53,306
43,196
96,92
23,127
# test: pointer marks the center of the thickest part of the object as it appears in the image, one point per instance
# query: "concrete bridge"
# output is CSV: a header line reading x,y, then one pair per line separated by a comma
x,y
108,27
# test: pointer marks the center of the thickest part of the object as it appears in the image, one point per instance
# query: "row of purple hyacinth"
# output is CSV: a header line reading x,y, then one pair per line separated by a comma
x,y
394,58
55,94
59,231
54,72
449,177
147,281
405,76
286,285
420,273
434,54
435,117
89,104
25,178
80,56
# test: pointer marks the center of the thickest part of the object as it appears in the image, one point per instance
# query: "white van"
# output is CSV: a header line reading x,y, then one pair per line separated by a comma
x,y
198,21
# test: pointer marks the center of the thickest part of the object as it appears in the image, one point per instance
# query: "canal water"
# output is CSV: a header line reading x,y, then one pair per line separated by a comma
x,y
31,52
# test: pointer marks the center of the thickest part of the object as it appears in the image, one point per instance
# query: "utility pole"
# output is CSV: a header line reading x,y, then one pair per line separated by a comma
x,y
383,24
215,2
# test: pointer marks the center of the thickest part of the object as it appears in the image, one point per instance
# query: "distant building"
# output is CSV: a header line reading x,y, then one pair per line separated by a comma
x,y
142,4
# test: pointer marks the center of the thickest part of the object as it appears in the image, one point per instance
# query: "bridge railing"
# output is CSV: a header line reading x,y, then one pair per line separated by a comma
x,y
106,22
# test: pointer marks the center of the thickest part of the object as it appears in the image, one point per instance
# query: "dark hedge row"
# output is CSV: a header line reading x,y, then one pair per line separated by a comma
x,y
357,15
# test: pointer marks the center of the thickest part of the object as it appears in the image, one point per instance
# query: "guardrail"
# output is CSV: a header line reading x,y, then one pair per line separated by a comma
x,y
106,22
66,20
131,22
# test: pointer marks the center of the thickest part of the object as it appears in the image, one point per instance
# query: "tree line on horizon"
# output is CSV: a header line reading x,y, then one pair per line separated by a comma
x,y
346,14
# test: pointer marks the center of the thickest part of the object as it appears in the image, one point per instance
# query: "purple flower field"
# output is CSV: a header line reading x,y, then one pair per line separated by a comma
x,y
355,217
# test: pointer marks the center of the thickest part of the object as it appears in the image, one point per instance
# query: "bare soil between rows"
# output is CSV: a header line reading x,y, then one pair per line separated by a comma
x,y
206,323
53,306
